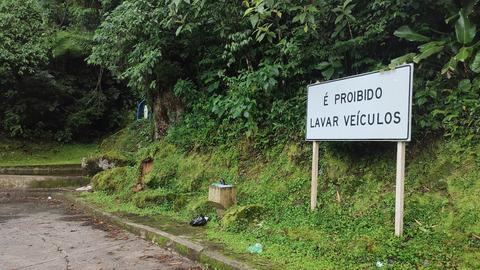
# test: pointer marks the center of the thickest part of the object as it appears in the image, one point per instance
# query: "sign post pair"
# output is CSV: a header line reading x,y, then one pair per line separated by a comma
x,y
374,106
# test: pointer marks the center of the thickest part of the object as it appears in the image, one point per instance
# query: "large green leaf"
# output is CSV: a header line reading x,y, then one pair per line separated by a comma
x,y
401,60
465,30
322,65
408,34
475,65
463,54
428,49
427,46
450,66
254,20
328,73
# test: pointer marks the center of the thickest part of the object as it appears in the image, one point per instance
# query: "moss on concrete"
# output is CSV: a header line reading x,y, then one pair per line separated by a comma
x,y
213,264
58,183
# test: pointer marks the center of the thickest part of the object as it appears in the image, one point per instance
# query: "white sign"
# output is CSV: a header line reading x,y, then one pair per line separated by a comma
x,y
374,106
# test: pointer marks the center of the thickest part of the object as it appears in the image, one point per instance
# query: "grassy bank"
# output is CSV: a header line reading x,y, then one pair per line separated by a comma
x,y
18,152
353,227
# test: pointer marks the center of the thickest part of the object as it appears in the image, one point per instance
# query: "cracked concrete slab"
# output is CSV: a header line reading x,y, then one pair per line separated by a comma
x,y
45,234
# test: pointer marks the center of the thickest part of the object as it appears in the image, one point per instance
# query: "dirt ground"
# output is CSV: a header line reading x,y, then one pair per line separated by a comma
x,y
41,233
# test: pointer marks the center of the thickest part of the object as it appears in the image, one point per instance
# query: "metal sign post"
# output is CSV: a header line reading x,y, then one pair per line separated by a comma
x,y
399,188
314,187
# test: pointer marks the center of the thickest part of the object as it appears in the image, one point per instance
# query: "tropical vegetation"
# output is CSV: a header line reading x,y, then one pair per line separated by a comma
x,y
226,84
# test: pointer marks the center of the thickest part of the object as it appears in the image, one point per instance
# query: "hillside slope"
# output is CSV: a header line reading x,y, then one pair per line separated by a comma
x,y
353,227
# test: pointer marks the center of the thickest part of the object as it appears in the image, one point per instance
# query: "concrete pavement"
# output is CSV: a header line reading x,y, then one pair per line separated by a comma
x,y
37,233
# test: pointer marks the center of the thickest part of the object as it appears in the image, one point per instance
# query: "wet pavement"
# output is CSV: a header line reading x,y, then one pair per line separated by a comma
x,y
38,233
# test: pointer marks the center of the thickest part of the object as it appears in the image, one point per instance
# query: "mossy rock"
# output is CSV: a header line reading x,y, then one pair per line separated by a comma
x,y
154,197
97,163
242,216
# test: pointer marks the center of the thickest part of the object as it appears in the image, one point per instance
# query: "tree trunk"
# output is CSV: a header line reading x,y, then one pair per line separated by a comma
x,y
166,110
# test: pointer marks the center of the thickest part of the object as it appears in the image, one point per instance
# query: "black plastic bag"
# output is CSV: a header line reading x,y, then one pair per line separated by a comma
x,y
199,221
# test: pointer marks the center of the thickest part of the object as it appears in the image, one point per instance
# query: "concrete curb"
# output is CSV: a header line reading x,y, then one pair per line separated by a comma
x,y
41,181
57,170
209,258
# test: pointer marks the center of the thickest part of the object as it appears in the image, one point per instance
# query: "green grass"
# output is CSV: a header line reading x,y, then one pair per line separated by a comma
x,y
19,153
442,202
112,205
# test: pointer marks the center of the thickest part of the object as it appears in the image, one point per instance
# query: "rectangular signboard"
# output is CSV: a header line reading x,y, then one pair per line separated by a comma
x,y
374,106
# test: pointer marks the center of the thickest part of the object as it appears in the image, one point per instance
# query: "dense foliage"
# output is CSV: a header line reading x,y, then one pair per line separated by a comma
x,y
241,69
221,70
46,87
